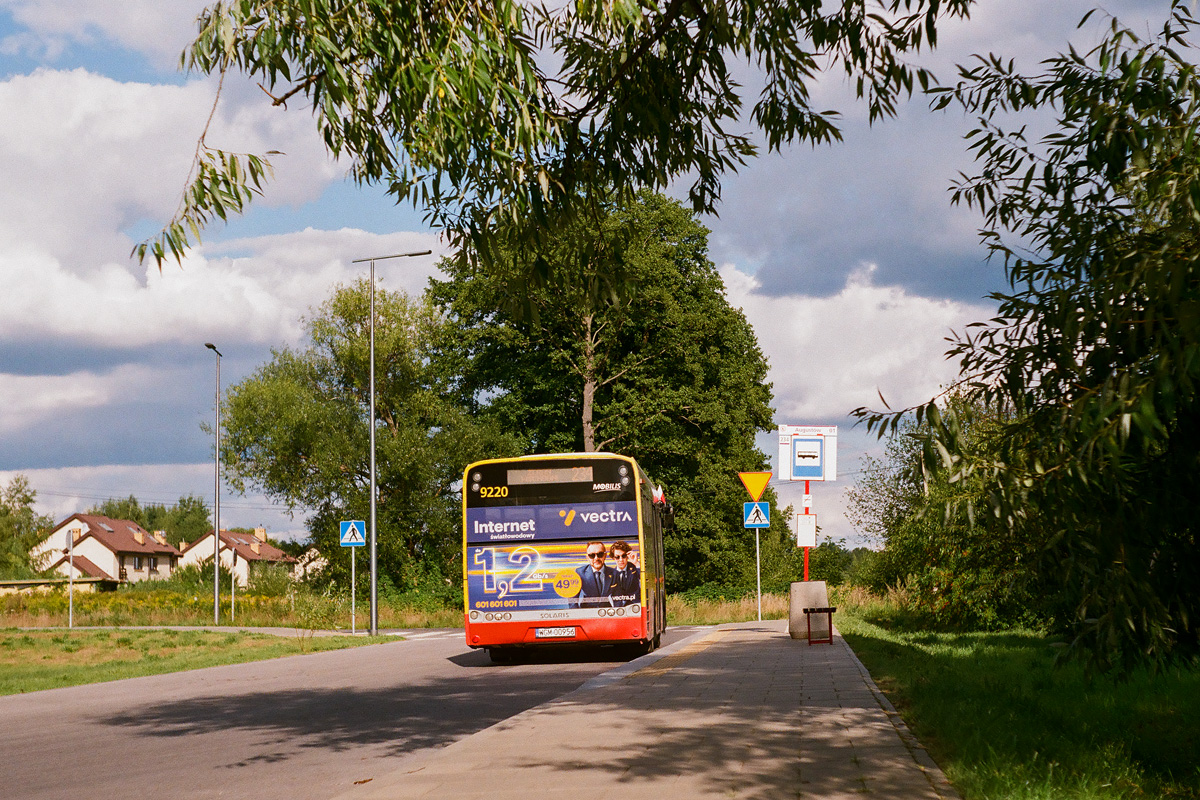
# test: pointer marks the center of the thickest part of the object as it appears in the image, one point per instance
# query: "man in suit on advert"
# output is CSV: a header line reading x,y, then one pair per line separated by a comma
x,y
596,578
627,585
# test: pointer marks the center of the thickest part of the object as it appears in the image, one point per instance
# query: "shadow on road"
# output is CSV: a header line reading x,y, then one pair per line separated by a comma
x,y
721,719
403,717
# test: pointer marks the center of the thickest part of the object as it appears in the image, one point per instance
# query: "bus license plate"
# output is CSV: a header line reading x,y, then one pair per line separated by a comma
x,y
555,633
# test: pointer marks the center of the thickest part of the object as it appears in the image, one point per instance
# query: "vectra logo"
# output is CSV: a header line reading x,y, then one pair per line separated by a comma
x,y
568,516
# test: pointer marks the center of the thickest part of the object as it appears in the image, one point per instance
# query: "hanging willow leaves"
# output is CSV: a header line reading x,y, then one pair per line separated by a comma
x,y
483,111
1095,351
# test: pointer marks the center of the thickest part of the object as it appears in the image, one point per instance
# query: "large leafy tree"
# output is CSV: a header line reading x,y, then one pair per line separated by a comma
x,y
1096,348
21,527
659,367
482,111
297,429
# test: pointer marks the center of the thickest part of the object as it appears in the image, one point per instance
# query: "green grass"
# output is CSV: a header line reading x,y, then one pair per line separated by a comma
x,y
35,660
1006,723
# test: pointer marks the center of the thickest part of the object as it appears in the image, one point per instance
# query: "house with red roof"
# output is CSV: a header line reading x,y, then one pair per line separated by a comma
x,y
240,552
95,546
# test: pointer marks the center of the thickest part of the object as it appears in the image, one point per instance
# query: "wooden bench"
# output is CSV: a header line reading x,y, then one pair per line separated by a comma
x,y
828,612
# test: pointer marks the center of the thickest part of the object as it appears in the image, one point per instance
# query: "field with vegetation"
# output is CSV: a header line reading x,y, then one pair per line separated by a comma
x,y
272,599
31,660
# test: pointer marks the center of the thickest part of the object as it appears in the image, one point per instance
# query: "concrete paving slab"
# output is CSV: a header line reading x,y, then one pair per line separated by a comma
x,y
739,711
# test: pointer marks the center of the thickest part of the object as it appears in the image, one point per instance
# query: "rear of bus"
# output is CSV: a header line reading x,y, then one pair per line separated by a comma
x,y
529,525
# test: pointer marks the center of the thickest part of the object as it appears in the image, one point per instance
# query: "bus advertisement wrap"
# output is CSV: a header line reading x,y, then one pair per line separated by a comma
x,y
553,522
523,581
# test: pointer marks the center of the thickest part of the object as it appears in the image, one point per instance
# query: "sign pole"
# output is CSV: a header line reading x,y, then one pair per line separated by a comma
x,y
806,549
757,516
758,573
807,453
352,536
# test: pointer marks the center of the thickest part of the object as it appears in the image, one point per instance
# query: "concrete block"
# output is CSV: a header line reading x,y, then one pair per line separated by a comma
x,y
807,594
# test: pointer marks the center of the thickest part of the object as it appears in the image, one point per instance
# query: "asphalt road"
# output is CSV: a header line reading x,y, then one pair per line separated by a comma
x,y
302,727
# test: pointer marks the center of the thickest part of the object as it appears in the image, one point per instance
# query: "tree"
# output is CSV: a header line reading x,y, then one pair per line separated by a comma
x,y
660,368
481,112
890,489
21,527
1096,349
829,561
960,565
185,521
297,429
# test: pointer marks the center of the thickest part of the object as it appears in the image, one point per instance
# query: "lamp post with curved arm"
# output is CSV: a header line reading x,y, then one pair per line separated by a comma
x,y
217,498
371,425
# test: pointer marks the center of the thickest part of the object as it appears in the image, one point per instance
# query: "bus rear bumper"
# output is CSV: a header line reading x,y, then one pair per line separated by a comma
x,y
577,631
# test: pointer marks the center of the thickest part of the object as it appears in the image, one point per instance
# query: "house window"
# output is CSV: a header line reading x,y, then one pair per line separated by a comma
x,y
154,563
137,563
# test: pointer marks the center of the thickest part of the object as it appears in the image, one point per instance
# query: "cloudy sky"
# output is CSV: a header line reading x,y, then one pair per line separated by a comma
x,y
848,260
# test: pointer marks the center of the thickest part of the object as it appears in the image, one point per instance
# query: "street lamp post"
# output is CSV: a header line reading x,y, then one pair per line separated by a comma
x,y
371,426
217,498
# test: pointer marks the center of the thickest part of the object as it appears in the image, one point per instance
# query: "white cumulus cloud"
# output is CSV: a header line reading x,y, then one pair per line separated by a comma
x,y
33,400
86,157
159,29
258,296
830,355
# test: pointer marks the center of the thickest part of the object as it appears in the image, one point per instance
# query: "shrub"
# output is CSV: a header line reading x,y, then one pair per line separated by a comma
x,y
269,580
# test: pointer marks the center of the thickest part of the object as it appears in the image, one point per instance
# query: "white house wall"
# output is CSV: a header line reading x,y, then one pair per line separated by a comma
x,y
51,548
204,550
197,553
99,555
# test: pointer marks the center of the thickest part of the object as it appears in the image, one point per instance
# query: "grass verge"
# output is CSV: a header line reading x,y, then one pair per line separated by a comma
x,y
50,659
1007,723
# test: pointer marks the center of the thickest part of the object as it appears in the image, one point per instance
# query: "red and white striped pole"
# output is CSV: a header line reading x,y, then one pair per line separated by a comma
x,y
807,506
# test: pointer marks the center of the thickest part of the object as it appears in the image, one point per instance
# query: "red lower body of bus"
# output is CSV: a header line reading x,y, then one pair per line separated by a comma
x,y
625,629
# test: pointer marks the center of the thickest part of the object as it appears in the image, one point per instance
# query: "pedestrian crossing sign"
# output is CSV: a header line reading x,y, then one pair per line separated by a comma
x,y
353,533
757,515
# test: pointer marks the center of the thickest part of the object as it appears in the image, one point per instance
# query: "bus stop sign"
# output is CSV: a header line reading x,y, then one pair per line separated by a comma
x,y
808,453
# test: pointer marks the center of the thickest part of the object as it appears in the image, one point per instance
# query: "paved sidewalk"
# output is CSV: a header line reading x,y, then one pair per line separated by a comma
x,y
740,711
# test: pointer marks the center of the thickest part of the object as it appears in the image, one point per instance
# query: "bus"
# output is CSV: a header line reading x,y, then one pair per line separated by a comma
x,y
548,542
